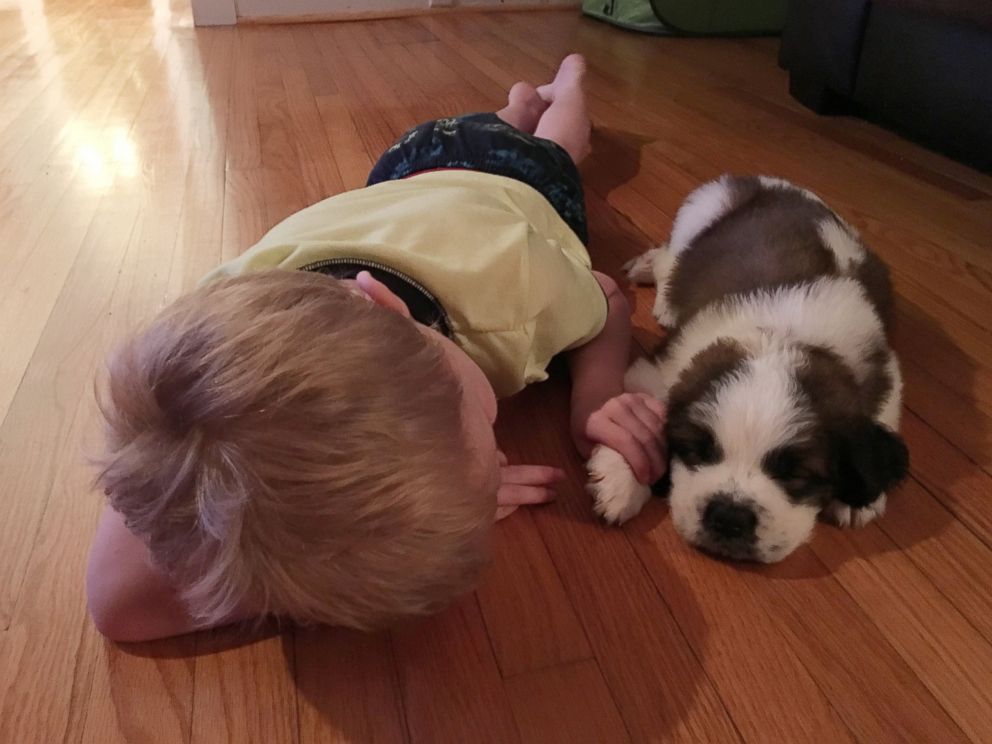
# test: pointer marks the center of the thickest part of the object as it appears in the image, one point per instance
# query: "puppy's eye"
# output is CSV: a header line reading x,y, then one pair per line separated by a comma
x,y
695,446
795,469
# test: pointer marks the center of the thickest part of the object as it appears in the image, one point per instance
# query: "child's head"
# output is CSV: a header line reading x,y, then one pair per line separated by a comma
x,y
283,444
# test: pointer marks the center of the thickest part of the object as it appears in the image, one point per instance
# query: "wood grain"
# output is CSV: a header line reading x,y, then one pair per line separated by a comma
x,y
566,704
244,692
528,615
948,654
347,690
792,707
452,689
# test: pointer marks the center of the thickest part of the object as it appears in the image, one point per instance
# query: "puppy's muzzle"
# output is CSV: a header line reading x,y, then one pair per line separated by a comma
x,y
728,521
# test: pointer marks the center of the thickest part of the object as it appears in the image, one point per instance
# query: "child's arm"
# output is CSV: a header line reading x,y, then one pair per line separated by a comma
x,y
602,413
129,599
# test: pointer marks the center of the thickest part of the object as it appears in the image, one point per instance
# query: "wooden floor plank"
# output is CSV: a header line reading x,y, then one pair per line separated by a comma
x,y
878,695
945,398
200,239
952,557
144,693
724,617
244,146
244,692
567,704
369,100
280,150
47,214
529,618
244,216
54,125
347,688
960,486
950,657
37,80
452,653
315,157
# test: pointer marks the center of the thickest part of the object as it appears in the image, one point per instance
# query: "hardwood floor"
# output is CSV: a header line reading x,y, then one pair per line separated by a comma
x,y
136,152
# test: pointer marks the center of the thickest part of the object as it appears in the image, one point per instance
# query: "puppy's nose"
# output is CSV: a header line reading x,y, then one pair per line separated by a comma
x,y
726,519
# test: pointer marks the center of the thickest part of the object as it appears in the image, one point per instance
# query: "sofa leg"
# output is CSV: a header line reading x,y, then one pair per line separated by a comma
x,y
815,95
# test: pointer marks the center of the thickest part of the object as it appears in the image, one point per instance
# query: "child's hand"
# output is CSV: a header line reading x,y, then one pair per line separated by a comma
x,y
633,424
524,484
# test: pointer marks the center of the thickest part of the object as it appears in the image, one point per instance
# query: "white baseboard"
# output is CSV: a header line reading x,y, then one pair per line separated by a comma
x,y
214,13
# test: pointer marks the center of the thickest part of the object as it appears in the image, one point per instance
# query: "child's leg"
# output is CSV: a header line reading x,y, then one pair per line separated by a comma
x,y
565,121
523,108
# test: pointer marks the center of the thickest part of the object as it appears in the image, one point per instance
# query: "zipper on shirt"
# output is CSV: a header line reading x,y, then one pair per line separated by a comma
x,y
365,263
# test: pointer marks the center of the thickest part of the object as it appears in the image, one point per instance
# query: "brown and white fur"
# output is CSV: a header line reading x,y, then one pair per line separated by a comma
x,y
783,393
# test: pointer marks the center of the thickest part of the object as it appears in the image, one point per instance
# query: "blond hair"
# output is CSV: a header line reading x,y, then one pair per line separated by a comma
x,y
280,443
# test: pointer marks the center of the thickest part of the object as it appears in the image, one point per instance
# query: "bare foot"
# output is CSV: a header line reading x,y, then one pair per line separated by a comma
x,y
569,76
524,107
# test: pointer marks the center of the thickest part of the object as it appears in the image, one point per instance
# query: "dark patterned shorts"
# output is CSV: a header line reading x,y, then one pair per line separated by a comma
x,y
484,142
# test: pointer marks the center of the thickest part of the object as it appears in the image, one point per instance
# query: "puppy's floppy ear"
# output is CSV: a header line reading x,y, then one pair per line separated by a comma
x,y
690,442
868,458
663,486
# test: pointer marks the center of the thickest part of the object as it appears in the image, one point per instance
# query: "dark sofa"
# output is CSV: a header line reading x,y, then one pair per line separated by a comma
x,y
921,67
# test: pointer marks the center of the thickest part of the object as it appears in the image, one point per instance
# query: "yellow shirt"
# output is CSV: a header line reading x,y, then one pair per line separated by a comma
x,y
514,279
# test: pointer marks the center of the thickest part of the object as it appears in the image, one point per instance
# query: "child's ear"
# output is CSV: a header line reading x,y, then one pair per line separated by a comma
x,y
380,294
868,458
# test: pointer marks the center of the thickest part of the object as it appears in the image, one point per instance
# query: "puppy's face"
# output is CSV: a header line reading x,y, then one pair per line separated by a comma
x,y
753,465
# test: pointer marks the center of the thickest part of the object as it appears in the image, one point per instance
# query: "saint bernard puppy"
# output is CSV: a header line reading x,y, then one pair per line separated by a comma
x,y
783,394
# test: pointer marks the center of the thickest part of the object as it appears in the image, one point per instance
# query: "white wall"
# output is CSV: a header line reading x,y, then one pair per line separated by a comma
x,y
226,12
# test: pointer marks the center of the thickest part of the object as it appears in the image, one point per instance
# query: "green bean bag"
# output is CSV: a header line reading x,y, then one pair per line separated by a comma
x,y
692,17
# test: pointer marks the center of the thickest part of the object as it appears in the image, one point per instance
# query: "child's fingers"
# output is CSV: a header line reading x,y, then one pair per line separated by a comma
x,y
531,475
639,421
643,452
654,445
502,512
610,433
517,495
654,404
647,415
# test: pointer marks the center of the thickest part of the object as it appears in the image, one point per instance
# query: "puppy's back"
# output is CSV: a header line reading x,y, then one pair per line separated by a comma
x,y
770,234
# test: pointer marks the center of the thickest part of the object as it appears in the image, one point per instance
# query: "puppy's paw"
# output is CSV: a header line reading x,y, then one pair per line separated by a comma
x,y
617,495
664,267
641,269
663,311
848,516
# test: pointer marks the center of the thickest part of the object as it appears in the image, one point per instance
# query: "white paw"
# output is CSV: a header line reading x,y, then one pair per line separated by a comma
x,y
847,516
664,267
617,494
662,311
640,270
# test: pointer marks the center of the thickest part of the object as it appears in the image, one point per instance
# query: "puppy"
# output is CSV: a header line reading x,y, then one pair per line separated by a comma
x,y
783,393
